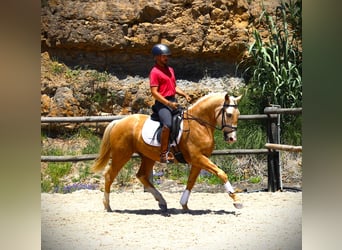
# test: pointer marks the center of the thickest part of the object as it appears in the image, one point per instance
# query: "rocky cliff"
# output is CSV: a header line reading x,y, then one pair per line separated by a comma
x,y
87,38
117,35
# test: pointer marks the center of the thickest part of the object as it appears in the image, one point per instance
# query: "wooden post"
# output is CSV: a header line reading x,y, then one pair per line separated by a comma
x,y
273,136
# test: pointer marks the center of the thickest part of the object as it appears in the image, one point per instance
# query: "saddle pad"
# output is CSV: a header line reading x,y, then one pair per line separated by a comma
x,y
149,130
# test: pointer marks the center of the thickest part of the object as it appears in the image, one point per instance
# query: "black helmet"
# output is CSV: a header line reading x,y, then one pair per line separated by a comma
x,y
161,49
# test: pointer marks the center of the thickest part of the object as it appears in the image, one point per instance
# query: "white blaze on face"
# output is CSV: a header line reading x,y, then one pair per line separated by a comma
x,y
230,110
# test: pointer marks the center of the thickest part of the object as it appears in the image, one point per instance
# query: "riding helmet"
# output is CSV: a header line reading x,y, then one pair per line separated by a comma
x,y
161,49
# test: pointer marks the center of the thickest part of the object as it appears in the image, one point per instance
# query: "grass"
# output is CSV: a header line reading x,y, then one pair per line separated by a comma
x,y
56,67
127,173
54,174
255,179
178,172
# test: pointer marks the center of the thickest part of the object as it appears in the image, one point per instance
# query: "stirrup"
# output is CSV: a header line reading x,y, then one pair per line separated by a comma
x,y
166,157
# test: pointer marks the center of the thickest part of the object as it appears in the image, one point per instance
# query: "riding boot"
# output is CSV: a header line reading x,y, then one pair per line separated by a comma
x,y
165,156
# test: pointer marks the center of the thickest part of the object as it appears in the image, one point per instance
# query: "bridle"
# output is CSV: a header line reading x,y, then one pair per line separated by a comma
x,y
223,122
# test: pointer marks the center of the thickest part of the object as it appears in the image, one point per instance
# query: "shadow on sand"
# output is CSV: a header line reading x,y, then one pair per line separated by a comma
x,y
173,211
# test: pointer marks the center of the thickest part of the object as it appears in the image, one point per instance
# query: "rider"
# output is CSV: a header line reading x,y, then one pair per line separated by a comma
x,y
163,88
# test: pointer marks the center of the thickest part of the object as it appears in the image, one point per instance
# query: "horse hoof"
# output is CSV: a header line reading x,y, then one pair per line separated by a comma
x,y
163,208
238,205
109,210
185,208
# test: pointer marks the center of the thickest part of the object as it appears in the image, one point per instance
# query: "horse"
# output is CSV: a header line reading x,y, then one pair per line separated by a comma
x,y
123,137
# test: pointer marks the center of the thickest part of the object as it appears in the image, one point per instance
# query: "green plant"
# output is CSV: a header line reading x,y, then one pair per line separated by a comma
x,y
255,179
126,174
56,67
178,172
83,132
53,151
273,71
250,134
209,179
45,185
72,74
275,67
100,98
93,145
227,164
84,173
100,76
58,170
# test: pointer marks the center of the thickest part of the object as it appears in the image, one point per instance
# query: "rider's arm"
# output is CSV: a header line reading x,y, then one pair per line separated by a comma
x,y
182,93
163,100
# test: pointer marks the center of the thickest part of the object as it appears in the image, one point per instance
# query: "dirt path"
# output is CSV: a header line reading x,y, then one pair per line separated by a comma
x,y
78,221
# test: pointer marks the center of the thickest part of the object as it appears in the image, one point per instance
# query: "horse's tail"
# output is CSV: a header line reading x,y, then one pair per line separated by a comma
x,y
104,154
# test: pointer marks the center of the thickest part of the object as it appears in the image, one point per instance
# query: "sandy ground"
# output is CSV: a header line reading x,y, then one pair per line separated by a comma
x,y
78,221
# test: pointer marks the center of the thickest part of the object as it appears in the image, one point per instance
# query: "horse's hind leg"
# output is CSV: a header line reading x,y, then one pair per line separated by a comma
x,y
194,172
111,174
143,175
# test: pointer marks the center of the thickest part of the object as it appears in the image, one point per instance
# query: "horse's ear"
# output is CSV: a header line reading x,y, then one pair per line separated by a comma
x,y
226,98
237,99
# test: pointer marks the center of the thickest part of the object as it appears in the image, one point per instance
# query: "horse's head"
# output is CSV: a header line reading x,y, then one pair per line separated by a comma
x,y
228,117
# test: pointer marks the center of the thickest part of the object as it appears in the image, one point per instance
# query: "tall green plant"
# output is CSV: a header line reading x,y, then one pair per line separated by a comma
x,y
275,66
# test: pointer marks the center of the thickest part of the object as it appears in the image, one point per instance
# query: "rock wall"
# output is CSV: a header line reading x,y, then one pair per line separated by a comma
x,y
117,35
83,38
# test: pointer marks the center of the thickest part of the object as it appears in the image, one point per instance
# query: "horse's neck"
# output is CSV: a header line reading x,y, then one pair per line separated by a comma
x,y
206,109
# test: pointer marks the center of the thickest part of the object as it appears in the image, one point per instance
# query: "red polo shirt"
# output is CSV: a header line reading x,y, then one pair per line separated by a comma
x,y
163,78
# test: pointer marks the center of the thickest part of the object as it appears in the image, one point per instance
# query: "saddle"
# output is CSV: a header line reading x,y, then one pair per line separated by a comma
x,y
152,129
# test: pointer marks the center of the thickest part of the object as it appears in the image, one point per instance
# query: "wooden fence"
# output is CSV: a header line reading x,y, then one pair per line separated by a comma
x,y
272,147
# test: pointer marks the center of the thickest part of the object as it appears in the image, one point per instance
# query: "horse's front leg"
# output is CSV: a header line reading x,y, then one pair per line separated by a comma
x,y
194,172
208,165
143,175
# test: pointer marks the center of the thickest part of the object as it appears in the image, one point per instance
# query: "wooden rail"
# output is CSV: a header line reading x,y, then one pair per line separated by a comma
x,y
271,115
110,118
283,147
90,157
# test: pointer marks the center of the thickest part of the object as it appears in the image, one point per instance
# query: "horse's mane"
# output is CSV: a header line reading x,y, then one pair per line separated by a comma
x,y
203,98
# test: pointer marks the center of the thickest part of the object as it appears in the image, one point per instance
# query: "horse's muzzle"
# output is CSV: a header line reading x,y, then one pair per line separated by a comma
x,y
229,137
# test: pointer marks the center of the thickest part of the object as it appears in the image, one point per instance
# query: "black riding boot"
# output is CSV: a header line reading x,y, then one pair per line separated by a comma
x,y
165,156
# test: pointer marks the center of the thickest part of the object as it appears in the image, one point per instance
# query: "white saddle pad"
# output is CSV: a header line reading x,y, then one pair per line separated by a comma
x,y
149,130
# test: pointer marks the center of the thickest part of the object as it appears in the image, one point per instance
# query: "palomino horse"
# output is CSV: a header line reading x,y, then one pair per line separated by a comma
x,y
123,137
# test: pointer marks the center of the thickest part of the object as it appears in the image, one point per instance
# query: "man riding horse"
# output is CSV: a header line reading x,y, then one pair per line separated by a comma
x,y
163,88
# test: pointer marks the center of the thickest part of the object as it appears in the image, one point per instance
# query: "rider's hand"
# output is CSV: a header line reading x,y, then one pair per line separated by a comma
x,y
173,105
188,98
